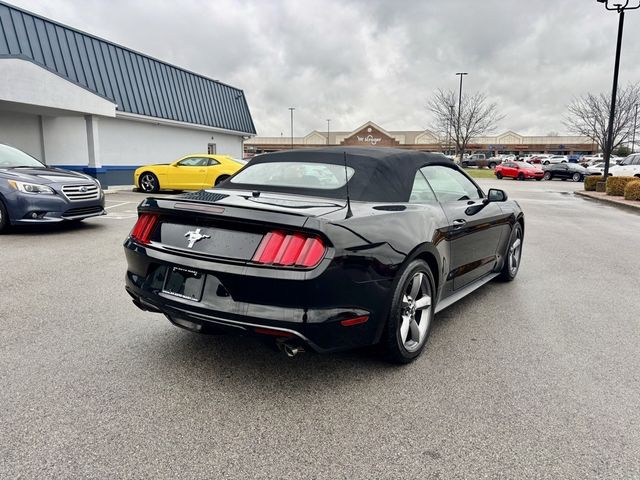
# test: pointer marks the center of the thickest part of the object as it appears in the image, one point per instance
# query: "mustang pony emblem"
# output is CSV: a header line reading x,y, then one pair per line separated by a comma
x,y
195,237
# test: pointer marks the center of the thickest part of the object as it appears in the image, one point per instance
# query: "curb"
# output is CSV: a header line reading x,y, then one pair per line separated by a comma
x,y
610,201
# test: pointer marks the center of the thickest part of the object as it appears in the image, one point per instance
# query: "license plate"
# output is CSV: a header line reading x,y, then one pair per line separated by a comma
x,y
184,283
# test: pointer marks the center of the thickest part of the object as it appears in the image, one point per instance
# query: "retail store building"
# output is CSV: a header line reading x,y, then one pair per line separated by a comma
x,y
76,101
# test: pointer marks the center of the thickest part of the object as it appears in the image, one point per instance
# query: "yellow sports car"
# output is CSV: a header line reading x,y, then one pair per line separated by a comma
x,y
193,172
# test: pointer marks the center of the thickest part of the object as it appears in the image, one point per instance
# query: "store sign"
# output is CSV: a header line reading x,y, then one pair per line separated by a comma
x,y
371,137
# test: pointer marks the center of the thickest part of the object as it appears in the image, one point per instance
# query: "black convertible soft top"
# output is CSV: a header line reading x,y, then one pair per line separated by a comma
x,y
380,174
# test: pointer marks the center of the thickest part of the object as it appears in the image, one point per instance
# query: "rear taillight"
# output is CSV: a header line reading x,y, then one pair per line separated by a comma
x,y
144,227
290,249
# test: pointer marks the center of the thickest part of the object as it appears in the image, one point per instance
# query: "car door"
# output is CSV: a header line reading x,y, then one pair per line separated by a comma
x,y
188,173
212,169
473,234
560,171
510,169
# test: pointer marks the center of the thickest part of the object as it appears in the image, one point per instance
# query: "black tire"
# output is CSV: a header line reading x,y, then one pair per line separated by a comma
x,y
148,183
521,177
221,179
547,176
547,162
576,177
499,175
5,223
492,165
403,311
508,273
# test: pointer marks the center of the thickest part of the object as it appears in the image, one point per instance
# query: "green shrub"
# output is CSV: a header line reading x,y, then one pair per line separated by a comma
x,y
615,185
590,182
632,190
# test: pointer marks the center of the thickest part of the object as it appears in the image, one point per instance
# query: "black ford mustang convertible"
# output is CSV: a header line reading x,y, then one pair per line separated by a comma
x,y
327,249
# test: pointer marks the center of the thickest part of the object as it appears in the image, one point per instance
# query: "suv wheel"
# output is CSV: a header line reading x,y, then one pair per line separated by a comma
x,y
4,218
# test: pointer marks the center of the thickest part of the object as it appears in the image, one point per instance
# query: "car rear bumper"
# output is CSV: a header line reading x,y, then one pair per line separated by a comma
x,y
241,299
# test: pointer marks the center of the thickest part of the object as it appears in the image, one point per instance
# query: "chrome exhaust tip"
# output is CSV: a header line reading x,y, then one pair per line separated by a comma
x,y
289,349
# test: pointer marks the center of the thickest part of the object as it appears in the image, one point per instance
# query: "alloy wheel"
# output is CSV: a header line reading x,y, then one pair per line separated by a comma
x,y
148,182
416,312
576,177
515,252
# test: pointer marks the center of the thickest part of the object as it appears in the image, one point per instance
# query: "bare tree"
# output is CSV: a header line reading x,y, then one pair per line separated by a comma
x,y
588,115
477,116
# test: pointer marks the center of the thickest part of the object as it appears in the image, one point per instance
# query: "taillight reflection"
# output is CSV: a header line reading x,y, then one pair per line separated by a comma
x,y
287,250
144,227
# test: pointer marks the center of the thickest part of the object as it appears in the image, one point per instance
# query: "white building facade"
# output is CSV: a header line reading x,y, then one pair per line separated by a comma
x,y
79,102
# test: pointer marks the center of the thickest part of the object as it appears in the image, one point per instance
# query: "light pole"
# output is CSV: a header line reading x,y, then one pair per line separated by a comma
x,y
620,8
328,122
291,109
450,138
462,74
635,121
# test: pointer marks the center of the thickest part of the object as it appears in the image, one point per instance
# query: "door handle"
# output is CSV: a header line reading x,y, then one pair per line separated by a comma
x,y
459,223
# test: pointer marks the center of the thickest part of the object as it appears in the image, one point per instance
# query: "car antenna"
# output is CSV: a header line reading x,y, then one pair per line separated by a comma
x,y
346,177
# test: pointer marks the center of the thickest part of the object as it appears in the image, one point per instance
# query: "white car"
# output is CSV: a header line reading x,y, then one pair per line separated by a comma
x,y
596,169
629,167
553,159
593,159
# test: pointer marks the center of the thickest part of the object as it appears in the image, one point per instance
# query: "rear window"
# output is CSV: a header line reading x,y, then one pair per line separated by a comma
x,y
316,176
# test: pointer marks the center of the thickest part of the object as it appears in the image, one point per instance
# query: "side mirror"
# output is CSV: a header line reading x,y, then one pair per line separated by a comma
x,y
497,195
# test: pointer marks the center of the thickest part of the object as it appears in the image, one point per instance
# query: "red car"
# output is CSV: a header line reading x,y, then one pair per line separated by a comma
x,y
519,170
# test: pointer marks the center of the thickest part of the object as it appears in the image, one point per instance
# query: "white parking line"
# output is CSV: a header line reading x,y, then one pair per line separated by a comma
x,y
117,205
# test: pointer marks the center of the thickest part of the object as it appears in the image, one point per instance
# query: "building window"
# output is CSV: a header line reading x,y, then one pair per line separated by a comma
x,y
211,149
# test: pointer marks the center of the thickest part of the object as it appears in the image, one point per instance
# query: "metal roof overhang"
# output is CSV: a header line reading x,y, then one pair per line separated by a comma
x,y
30,88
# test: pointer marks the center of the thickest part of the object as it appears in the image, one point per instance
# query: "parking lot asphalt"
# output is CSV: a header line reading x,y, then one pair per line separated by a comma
x,y
538,378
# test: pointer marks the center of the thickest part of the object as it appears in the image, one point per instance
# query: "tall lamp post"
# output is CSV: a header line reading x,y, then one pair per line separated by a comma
x,y
450,138
620,8
291,109
328,122
635,121
462,74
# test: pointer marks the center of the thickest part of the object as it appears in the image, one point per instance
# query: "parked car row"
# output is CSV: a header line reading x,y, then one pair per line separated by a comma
x,y
526,171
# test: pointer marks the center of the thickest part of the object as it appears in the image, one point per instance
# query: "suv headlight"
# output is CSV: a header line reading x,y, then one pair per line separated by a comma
x,y
31,187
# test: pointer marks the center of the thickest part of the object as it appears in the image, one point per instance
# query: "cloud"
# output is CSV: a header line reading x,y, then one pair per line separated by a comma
x,y
358,60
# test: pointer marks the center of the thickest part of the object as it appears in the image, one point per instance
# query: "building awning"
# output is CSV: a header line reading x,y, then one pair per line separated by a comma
x,y
30,88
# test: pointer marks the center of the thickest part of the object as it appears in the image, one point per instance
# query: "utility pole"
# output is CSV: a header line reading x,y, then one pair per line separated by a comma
x,y
620,8
328,122
450,138
635,121
291,109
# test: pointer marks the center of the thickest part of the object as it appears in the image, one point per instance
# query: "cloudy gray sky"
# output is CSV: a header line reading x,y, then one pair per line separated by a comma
x,y
358,60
